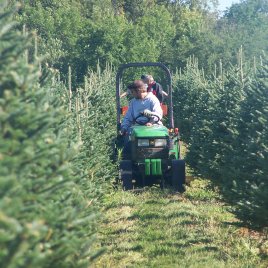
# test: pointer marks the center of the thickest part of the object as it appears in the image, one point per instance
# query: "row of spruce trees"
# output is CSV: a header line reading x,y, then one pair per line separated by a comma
x,y
54,160
55,146
224,122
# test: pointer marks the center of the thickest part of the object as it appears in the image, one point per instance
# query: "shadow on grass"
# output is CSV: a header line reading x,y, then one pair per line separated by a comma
x,y
229,195
148,215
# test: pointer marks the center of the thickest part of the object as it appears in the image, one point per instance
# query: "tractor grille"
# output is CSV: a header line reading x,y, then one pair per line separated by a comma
x,y
159,153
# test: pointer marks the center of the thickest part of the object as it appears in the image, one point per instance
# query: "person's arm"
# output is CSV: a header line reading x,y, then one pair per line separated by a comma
x,y
164,93
128,119
159,92
156,107
125,93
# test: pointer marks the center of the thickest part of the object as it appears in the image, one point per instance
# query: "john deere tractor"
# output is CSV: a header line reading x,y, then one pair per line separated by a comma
x,y
155,156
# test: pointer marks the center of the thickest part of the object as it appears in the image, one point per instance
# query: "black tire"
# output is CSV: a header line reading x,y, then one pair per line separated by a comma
x,y
126,174
118,144
178,175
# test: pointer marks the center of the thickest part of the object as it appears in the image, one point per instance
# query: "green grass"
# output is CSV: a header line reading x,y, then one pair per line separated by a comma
x,y
156,228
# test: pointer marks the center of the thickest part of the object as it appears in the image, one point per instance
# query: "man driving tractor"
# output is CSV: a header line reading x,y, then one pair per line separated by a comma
x,y
141,102
144,109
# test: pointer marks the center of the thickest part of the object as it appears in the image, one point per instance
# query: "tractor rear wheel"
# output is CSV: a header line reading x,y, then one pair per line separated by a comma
x,y
126,174
178,175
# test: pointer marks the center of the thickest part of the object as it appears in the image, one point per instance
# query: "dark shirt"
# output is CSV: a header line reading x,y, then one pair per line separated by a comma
x,y
157,90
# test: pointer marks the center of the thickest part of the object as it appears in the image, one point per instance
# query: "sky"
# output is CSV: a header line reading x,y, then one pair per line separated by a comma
x,y
223,4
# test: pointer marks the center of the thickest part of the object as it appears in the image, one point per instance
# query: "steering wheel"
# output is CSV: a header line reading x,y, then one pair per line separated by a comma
x,y
148,119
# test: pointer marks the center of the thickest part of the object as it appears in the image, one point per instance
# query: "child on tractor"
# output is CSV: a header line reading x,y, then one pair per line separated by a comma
x,y
154,87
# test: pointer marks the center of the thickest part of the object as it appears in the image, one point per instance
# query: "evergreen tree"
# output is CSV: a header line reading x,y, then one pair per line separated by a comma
x,y
252,151
224,123
45,217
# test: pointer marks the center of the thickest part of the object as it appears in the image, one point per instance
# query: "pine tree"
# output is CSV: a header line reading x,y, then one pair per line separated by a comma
x,y
45,217
226,133
252,151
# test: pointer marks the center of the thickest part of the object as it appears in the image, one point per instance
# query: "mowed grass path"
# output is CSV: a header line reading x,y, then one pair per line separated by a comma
x,y
156,228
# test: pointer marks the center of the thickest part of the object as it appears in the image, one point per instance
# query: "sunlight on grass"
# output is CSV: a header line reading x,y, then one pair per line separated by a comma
x,y
160,228
201,190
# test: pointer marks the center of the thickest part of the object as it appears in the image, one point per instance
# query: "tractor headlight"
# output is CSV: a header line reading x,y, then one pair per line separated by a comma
x,y
160,142
143,142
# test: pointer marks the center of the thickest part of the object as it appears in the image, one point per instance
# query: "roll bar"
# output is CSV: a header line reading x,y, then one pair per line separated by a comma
x,y
143,64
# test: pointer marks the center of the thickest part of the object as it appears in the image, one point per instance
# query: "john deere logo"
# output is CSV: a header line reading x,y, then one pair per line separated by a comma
x,y
151,142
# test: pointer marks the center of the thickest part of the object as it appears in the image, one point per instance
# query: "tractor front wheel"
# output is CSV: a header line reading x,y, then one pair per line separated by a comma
x,y
126,174
178,175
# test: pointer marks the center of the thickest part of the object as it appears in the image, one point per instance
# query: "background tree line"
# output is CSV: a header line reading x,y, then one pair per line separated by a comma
x,y
82,33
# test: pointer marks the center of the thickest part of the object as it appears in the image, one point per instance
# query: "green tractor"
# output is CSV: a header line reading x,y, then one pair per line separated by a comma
x,y
155,151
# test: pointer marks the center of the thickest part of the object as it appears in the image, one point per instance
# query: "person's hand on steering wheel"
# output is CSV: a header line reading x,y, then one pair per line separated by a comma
x,y
149,115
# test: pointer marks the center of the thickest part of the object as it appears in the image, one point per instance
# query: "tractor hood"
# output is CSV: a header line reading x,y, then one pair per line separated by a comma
x,y
149,131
